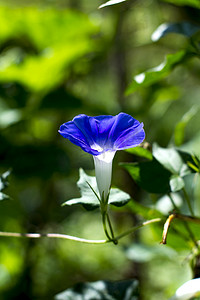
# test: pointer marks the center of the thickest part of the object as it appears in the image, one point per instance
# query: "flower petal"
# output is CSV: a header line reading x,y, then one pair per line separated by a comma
x,y
126,132
131,137
70,131
97,135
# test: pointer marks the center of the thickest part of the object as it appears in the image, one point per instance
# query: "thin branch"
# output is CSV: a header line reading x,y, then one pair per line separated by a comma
x,y
52,235
173,203
188,201
105,227
73,238
115,241
180,217
131,230
188,218
184,219
166,228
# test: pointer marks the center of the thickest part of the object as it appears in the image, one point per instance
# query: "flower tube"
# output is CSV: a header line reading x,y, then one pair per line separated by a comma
x,y
102,136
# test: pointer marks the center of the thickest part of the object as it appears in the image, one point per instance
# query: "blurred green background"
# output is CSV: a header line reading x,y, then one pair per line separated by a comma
x,y
60,58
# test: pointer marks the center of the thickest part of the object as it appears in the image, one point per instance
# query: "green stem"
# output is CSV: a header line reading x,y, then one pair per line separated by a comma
x,y
111,230
188,218
52,235
104,217
184,220
188,201
73,238
131,230
173,203
106,220
110,225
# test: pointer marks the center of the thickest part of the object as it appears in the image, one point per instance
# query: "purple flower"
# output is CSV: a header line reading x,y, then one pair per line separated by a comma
x,y
102,136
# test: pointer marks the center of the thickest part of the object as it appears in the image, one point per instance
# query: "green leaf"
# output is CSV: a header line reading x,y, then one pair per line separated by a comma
x,y
140,151
88,198
176,183
193,3
142,210
197,194
118,197
184,28
165,204
111,2
52,54
145,253
151,176
156,74
155,176
193,145
179,132
9,117
4,184
102,290
175,161
3,196
169,158
4,180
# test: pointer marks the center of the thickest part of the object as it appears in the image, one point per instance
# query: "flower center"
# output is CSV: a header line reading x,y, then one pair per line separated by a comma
x,y
96,147
106,156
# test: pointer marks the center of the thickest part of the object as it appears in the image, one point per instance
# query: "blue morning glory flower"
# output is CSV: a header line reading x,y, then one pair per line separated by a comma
x,y
102,136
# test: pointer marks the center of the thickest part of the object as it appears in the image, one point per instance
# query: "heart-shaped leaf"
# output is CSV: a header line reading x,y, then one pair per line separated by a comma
x,y
102,290
176,183
140,151
151,176
172,159
88,187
